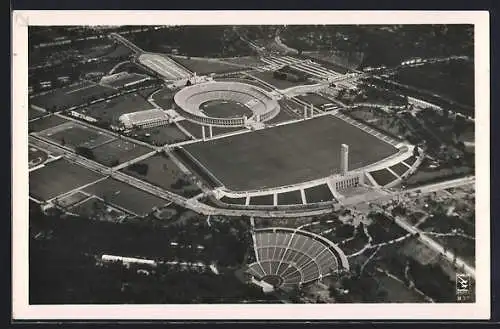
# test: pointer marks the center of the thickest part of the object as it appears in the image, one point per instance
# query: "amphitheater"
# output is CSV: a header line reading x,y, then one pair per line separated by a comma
x,y
189,99
288,258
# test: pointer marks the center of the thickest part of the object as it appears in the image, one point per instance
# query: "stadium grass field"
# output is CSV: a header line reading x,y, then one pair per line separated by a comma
x,y
46,123
111,109
74,135
59,177
287,154
163,172
225,109
118,151
125,196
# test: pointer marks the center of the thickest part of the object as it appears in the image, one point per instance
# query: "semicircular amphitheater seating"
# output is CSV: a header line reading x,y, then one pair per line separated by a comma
x,y
292,256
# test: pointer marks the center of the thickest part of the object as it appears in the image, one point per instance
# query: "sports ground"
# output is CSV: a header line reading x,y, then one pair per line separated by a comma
x,y
111,109
287,154
71,96
59,177
225,109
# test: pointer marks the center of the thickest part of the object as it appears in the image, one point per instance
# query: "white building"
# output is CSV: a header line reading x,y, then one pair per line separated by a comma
x,y
127,260
145,119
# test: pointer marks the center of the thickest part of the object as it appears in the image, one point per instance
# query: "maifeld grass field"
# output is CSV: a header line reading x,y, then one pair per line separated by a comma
x,y
287,154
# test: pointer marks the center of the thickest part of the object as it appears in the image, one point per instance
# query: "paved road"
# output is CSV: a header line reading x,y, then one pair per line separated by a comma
x,y
126,43
429,242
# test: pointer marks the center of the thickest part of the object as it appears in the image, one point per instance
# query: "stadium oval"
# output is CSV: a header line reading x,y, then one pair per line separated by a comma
x,y
263,106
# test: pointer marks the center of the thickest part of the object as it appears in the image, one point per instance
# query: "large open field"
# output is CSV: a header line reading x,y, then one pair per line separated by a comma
x,y
59,177
66,97
168,134
46,123
110,110
207,65
278,83
163,172
74,135
287,154
118,151
125,196
315,99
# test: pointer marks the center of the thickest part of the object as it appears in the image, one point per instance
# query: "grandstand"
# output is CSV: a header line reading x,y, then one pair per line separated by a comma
x,y
144,119
189,99
287,258
164,66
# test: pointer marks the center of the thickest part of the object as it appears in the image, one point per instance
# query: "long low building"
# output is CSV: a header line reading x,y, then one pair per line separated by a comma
x,y
145,119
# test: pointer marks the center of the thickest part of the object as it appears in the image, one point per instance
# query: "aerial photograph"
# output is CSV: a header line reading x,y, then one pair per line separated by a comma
x,y
245,164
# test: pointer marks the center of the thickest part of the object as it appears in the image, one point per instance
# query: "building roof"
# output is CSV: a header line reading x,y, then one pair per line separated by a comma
x,y
133,118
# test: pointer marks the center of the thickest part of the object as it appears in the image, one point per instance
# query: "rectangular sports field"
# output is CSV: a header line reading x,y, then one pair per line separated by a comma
x,y
287,154
205,66
71,96
46,123
125,196
59,177
315,99
163,172
72,134
111,109
168,134
118,151
278,83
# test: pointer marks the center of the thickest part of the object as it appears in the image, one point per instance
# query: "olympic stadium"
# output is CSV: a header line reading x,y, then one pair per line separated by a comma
x,y
191,100
289,258
308,161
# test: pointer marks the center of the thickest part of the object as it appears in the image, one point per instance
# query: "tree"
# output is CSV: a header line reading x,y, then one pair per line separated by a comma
x,y
85,151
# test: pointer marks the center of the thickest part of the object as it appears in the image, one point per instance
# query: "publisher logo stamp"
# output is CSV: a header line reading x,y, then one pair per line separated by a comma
x,y
463,287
